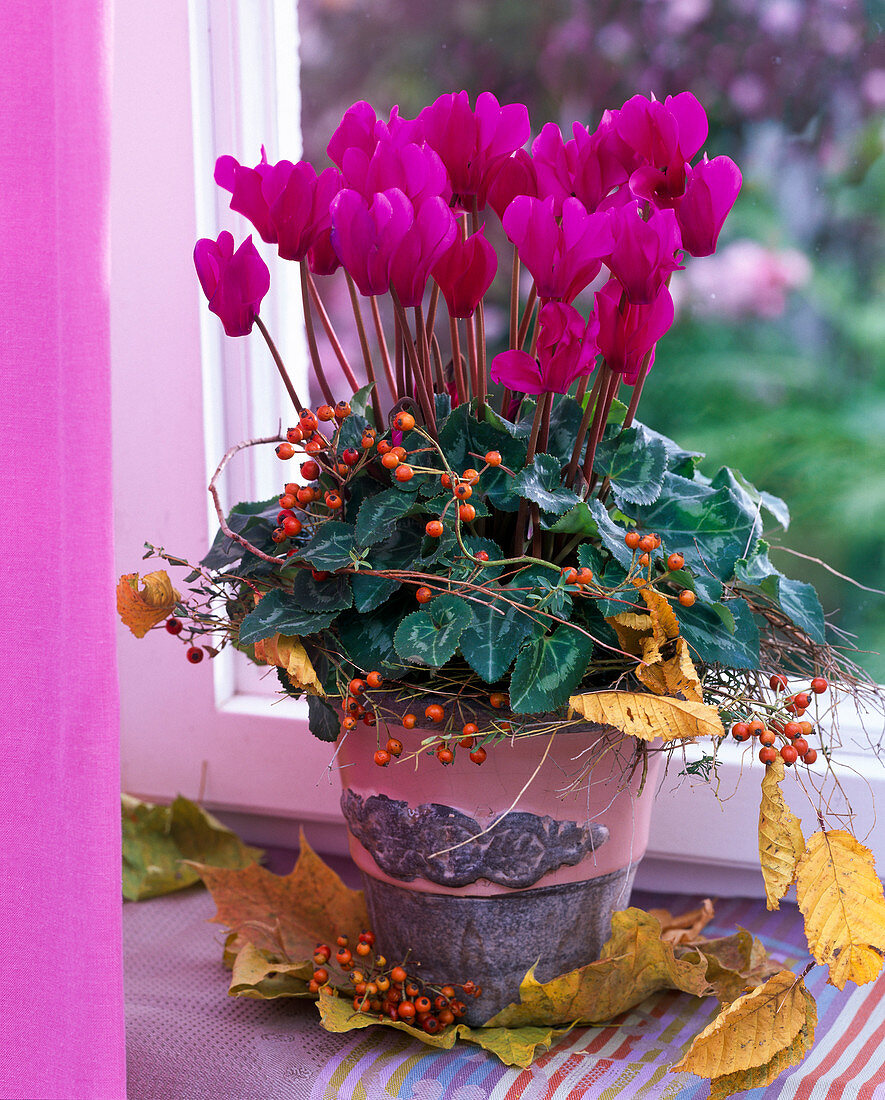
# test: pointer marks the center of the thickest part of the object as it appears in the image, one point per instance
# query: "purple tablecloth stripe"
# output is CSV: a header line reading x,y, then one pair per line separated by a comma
x,y
188,1041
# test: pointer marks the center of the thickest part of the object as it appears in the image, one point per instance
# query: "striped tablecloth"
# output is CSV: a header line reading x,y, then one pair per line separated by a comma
x,y
188,1041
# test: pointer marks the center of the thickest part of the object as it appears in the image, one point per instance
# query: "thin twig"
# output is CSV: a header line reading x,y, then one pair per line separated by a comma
x,y
218,509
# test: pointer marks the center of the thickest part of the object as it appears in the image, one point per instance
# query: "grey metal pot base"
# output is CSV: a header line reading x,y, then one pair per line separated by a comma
x,y
495,940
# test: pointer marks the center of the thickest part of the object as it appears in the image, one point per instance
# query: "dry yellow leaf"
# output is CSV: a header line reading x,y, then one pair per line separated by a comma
x,y
841,898
646,635
751,1031
780,837
290,654
736,964
140,610
260,975
686,927
743,1080
676,676
634,963
649,716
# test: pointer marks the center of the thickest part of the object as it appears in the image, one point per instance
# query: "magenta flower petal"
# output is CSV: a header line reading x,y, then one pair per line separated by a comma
x,y
431,233
711,191
517,371
627,333
234,282
300,212
644,251
356,128
465,272
512,176
365,236
247,197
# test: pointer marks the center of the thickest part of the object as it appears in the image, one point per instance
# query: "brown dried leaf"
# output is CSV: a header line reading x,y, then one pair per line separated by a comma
x,y
736,964
780,837
676,676
649,716
841,898
753,1030
634,963
140,610
290,654
286,915
687,927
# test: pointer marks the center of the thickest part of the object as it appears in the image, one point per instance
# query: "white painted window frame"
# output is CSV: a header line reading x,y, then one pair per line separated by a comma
x,y
218,731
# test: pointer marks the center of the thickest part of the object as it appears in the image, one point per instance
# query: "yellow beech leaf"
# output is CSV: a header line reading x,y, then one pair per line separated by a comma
x,y
750,1032
140,610
286,915
290,654
676,676
780,837
259,974
645,635
514,1046
841,898
648,716
634,963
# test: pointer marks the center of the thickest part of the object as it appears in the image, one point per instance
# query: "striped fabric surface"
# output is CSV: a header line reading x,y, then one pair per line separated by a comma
x,y
631,1058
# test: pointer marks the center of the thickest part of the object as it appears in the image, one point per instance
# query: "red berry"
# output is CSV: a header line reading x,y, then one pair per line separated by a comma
x,y
498,699
767,737
333,500
675,561
778,683
295,435
374,680
819,685
792,730
570,574
802,700
482,555
424,595
470,729
647,543
194,655
740,731
355,687
434,528
287,500
406,1010
285,450
404,421
342,410
756,727
789,755
410,721
687,597
768,755
632,539
478,755
174,626
319,574
292,525
325,412
389,461
310,469
801,746
493,458
404,473
434,712
394,746
810,756
466,513
382,758
444,755
462,491
398,974
351,456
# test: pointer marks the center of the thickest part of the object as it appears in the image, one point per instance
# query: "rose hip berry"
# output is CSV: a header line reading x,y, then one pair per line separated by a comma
x,y
174,626
194,655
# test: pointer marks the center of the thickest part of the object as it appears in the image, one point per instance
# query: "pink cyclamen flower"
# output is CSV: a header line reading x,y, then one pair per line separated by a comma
x,y
710,193
234,282
665,136
300,212
465,272
567,349
563,258
366,235
433,230
589,167
247,194
416,170
644,251
360,128
512,176
472,141
627,333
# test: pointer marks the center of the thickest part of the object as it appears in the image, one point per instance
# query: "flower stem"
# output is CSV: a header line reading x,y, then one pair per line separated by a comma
x,y
514,300
311,338
424,398
364,346
472,371
582,430
284,374
606,396
382,346
527,316
482,377
457,362
330,333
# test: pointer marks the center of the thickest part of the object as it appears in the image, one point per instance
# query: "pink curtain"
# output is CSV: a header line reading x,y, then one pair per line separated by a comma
x,y
61,1005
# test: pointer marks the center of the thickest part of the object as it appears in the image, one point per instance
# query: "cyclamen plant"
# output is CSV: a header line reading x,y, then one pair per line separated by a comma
x,y
483,538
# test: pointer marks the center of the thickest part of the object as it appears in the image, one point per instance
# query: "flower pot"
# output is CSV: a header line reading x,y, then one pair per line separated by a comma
x,y
467,898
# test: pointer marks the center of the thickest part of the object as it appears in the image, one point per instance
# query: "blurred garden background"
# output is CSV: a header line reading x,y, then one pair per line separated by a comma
x,y
775,364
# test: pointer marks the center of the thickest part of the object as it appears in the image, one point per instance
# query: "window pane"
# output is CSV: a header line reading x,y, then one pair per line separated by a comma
x,y
775,365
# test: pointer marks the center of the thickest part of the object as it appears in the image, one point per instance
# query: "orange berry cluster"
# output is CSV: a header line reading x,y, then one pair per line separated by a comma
x,y
645,546
462,490
354,710
792,734
434,713
389,991
322,457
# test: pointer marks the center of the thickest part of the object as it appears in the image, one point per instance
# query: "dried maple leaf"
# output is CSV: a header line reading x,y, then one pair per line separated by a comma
x,y
158,840
634,963
140,610
754,1036
780,837
517,1046
649,716
842,901
286,915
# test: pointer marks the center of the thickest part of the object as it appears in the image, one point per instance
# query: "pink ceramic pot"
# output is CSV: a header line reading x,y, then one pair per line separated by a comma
x,y
472,899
